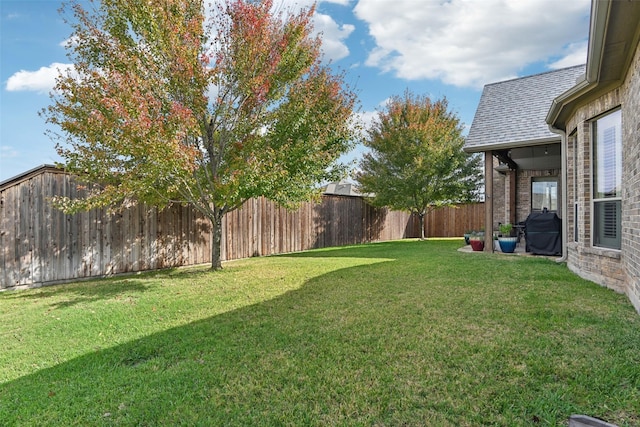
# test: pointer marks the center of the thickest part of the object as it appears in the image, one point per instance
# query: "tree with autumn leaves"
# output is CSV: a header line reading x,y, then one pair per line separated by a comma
x,y
169,102
415,161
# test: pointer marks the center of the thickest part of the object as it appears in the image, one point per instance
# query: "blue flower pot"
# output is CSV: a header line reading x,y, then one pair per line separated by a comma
x,y
508,244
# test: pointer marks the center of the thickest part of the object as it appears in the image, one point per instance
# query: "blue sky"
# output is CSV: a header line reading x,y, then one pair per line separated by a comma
x,y
435,47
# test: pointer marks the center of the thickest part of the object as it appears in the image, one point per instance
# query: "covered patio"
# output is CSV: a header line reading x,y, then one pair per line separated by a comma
x,y
523,158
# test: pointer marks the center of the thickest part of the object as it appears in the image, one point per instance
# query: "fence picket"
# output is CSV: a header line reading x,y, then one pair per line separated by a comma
x,y
40,244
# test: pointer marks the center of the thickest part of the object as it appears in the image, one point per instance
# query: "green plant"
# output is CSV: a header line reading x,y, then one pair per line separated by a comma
x,y
141,124
505,229
415,161
477,235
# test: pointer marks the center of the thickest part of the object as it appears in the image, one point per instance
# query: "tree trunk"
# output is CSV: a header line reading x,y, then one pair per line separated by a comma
x,y
216,240
421,217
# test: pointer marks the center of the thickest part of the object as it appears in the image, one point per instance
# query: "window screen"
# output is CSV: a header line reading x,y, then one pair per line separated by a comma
x,y
607,180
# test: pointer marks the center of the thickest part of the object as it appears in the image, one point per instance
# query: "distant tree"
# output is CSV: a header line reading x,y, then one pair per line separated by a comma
x,y
416,162
164,106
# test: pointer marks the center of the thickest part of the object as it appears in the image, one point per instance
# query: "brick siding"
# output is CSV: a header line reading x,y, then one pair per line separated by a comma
x,y
501,190
524,190
616,269
631,179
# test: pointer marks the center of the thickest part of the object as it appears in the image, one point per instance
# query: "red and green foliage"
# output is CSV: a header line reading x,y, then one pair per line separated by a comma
x,y
416,162
165,105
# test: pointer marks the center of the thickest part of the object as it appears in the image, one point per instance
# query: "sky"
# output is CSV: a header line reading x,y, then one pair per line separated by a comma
x,y
438,48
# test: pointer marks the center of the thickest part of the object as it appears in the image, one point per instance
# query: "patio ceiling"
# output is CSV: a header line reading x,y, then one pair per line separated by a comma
x,y
536,157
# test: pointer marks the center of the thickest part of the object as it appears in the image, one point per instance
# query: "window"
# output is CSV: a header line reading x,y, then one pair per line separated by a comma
x,y
607,180
544,194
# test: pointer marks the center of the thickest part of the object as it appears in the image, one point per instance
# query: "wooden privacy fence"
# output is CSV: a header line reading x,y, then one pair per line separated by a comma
x,y
43,245
454,221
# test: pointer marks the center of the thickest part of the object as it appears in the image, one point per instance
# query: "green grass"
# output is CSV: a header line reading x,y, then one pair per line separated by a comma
x,y
399,333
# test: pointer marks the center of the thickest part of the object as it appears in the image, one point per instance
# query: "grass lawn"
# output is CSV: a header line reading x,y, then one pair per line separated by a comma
x,y
398,333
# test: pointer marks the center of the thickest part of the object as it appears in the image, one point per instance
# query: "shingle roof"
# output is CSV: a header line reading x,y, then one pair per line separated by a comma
x,y
342,188
513,112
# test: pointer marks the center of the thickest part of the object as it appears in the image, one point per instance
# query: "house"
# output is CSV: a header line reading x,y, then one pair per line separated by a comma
x,y
524,155
585,165
599,122
342,188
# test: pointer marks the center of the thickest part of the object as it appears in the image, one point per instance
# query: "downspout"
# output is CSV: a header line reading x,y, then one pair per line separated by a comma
x,y
563,186
488,201
600,12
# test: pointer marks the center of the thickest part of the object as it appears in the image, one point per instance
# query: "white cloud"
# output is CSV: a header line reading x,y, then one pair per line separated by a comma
x,y
8,152
333,33
299,4
469,42
367,118
333,36
575,54
340,2
70,42
41,81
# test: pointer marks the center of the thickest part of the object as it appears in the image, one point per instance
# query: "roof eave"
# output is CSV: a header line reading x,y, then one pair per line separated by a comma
x,y
604,24
560,106
600,11
509,145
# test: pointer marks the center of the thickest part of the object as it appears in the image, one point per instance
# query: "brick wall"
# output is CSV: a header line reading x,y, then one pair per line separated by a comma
x,y
618,270
501,191
599,265
631,179
523,180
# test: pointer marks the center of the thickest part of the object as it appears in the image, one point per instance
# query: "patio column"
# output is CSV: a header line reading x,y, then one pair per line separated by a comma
x,y
488,201
513,194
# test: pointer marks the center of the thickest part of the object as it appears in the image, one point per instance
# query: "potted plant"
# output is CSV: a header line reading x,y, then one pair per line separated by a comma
x,y
467,235
476,240
506,241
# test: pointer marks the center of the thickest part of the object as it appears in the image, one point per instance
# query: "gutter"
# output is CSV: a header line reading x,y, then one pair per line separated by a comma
x,y
564,187
508,145
567,97
600,11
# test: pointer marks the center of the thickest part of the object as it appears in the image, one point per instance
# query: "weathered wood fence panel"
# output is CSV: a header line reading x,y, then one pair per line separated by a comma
x,y
42,245
454,221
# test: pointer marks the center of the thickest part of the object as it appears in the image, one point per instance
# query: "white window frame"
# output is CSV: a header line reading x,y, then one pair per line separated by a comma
x,y
553,179
600,197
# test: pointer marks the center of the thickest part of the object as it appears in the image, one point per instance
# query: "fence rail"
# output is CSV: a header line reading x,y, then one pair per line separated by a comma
x,y
43,245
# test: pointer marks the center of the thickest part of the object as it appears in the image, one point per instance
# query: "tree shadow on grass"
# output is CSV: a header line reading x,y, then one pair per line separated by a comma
x,y
354,351
70,294
277,362
387,249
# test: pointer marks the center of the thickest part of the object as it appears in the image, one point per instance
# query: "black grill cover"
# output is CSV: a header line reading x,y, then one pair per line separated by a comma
x,y
543,233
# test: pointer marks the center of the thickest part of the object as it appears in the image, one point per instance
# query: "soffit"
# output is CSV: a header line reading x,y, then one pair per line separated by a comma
x,y
613,40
